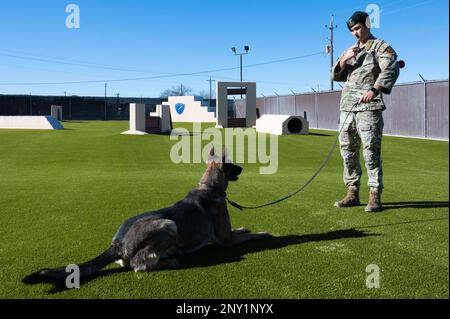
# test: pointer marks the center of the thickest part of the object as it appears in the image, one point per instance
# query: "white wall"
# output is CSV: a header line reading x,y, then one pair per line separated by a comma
x,y
193,110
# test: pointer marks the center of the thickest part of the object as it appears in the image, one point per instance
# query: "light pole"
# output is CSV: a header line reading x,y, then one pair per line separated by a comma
x,y
246,49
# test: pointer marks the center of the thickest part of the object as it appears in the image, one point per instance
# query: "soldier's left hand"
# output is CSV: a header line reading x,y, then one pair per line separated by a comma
x,y
367,97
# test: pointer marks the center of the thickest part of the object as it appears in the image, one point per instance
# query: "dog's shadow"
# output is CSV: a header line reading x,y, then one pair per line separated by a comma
x,y
215,255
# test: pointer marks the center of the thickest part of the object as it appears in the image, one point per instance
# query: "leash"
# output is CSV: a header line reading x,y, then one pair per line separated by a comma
x,y
322,166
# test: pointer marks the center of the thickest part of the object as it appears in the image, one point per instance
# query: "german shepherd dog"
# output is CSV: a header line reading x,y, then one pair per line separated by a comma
x,y
153,240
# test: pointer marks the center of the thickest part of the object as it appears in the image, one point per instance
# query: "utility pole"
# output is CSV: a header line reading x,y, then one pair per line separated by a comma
x,y
210,88
330,47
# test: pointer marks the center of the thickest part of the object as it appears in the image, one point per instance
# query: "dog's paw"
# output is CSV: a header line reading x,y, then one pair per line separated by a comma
x,y
264,234
241,230
120,262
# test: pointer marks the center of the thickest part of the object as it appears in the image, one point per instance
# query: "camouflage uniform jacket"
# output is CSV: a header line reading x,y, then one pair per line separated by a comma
x,y
376,63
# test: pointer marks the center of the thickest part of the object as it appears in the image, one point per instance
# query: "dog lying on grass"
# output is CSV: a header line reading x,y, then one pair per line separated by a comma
x,y
153,240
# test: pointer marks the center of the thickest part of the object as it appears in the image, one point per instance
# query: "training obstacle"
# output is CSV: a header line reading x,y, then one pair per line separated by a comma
x,y
282,124
223,89
157,122
30,123
57,112
193,109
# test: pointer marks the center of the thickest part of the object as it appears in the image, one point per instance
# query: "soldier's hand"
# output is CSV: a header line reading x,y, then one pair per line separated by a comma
x,y
350,53
367,97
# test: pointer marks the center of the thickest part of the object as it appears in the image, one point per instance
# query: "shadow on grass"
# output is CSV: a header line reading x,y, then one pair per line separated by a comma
x,y
406,222
216,255
420,204
319,134
60,287
174,132
73,121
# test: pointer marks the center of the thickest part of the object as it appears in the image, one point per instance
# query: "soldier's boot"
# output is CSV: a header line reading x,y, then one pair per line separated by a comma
x,y
374,204
350,200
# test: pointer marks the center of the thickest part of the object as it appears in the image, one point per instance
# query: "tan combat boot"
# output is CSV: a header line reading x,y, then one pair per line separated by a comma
x,y
351,199
374,204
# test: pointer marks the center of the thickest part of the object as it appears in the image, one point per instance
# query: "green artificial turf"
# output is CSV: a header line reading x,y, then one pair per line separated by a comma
x,y
64,193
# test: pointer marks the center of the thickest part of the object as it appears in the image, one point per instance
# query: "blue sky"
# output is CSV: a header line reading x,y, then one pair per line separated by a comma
x,y
120,39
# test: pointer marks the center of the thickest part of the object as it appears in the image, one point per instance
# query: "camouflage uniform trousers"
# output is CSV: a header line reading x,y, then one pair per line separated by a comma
x,y
364,128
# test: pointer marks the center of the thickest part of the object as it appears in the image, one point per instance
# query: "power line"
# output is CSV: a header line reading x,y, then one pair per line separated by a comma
x,y
56,60
284,60
163,76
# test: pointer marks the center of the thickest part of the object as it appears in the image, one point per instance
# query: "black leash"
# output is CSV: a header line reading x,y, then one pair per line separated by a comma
x,y
322,166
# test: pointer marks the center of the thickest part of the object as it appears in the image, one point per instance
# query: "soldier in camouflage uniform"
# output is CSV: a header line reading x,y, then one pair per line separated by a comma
x,y
369,69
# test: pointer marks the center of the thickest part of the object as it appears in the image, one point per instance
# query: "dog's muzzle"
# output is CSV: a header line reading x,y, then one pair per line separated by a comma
x,y
234,172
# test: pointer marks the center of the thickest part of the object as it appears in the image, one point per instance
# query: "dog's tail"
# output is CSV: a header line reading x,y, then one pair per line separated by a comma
x,y
89,268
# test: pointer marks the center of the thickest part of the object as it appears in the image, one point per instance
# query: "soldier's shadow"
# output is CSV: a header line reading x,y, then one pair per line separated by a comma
x,y
216,255
418,204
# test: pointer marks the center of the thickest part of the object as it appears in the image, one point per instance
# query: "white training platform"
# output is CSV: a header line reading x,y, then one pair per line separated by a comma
x,y
282,124
30,123
137,120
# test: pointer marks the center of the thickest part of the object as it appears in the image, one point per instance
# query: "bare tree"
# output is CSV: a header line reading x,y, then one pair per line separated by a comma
x,y
178,90
205,94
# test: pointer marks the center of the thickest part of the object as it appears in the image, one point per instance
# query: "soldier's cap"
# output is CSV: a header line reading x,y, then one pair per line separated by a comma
x,y
358,17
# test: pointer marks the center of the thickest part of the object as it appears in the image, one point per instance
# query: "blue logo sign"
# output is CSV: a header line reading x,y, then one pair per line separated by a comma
x,y
179,107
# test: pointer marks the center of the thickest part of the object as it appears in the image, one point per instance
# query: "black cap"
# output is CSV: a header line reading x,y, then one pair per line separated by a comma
x,y
358,17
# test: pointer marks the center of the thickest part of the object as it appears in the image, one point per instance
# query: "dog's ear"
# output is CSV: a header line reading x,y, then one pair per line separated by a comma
x,y
213,157
225,158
